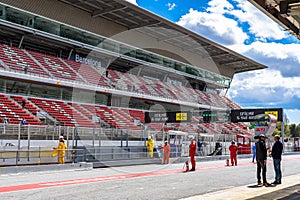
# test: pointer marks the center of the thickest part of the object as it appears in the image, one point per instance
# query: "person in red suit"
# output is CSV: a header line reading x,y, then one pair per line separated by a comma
x,y
193,147
233,152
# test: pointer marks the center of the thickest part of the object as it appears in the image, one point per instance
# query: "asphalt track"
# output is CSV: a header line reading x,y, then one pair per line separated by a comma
x,y
211,180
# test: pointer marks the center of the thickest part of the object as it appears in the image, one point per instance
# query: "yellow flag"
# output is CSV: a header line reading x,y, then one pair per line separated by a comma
x,y
55,152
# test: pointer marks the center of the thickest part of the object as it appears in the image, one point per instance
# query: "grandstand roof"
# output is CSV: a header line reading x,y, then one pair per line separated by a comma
x,y
133,17
284,12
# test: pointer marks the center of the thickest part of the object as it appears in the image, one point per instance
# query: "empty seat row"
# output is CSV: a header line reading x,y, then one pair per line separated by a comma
x,y
47,65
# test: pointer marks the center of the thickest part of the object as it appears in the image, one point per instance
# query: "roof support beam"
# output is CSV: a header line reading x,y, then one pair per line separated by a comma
x,y
105,11
21,41
231,62
171,38
219,54
146,24
284,5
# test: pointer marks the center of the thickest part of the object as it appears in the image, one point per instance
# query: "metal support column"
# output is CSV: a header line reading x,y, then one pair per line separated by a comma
x,y
28,139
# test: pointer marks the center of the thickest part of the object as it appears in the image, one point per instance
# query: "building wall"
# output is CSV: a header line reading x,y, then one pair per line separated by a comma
x,y
67,14
140,40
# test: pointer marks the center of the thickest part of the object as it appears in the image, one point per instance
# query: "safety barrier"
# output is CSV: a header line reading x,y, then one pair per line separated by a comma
x,y
30,145
36,156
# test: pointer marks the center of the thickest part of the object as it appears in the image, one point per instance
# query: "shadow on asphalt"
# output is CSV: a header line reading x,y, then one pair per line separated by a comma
x,y
290,193
256,186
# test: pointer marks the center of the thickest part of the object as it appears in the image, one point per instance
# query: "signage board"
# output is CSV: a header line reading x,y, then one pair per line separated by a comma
x,y
168,117
248,115
215,116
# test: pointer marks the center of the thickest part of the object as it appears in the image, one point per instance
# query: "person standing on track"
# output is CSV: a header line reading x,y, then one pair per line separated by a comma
x,y
261,160
150,146
167,150
276,154
61,150
233,153
193,147
253,153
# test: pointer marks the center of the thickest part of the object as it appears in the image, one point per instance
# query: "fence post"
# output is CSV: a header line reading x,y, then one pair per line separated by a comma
x,y
67,136
73,139
126,138
19,143
17,157
28,139
45,132
68,129
93,142
39,158
121,138
54,131
76,136
59,130
100,132
225,145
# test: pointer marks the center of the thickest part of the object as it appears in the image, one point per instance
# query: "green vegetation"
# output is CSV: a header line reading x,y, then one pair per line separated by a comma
x,y
290,130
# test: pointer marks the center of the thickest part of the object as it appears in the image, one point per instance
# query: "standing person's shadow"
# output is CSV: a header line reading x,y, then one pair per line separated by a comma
x,y
257,186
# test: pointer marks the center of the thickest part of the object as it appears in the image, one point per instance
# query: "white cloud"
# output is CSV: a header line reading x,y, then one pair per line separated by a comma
x,y
219,6
215,25
132,1
266,86
171,6
293,115
260,25
271,50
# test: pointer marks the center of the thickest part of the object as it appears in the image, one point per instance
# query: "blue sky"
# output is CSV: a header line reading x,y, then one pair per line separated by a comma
x,y
239,26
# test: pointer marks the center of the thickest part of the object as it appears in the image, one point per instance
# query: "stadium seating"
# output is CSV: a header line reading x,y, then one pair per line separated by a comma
x,y
82,115
124,120
17,59
63,112
89,73
13,111
60,115
115,117
56,67
138,114
27,104
75,114
155,126
231,104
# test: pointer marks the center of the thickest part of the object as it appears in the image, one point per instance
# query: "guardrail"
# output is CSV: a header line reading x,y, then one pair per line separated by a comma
x,y
36,156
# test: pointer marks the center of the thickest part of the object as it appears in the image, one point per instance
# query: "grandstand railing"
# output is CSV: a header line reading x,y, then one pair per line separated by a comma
x,y
60,81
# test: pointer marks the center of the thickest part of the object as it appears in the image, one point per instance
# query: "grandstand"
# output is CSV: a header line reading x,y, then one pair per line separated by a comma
x,y
284,12
102,64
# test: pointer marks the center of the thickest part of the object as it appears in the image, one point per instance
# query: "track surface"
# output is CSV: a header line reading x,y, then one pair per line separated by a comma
x,y
139,182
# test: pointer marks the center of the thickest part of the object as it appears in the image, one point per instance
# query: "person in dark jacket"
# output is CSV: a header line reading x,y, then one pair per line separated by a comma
x,y
276,154
261,160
